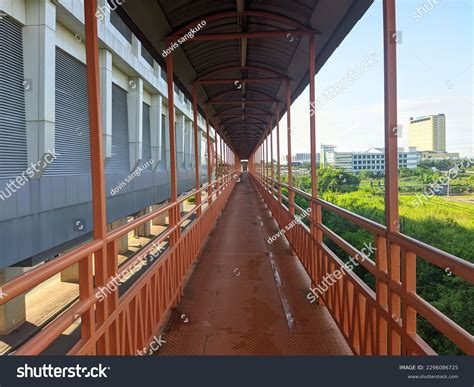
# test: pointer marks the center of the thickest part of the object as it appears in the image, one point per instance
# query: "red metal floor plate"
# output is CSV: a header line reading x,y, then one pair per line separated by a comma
x,y
248,297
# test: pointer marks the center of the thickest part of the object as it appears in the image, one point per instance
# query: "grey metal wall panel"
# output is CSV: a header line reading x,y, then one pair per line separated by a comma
x,y
13,154
164,131
72,118
119,162
146,155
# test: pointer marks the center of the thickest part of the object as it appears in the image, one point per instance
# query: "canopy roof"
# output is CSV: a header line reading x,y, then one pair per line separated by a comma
x,y
244,55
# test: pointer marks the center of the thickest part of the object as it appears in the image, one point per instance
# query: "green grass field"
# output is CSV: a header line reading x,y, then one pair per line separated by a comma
x,y
445,224
439,222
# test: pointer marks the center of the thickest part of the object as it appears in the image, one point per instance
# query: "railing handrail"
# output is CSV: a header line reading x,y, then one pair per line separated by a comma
x,y
36,276
462,268
409,248
134,224
45,337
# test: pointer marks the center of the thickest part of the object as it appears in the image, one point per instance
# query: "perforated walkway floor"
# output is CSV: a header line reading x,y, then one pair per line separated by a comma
x,y
248,297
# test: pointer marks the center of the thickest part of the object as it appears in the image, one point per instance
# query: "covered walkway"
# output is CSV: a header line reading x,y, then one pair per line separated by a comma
x,y
242,295
245,296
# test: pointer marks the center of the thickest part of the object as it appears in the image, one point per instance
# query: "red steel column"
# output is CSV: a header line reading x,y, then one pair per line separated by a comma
x,y
226,157
197,159
209,161
391,172
312,116
221,148
278,152
391,120
174,213
217,158
257,161
267,154
265,151
98,184
316,211
272,173
291,194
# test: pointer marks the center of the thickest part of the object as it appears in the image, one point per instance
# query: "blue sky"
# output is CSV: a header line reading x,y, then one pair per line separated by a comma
x,y
435,67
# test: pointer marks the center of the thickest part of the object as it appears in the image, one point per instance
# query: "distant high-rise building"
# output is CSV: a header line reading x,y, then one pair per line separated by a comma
x,y
428,133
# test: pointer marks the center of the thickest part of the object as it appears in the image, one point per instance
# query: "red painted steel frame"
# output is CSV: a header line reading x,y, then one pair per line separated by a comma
x,y
257,69
353,305
197,160
241,80
278,152
125,325
374,323
233,91
291,196
381,322
260,14
391,260
241,102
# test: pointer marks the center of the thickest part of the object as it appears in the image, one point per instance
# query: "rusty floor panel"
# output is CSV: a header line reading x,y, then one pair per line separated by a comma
x,y
248,297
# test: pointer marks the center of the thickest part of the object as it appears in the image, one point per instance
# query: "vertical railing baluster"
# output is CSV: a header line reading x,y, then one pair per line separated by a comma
x,y
381,290
409,286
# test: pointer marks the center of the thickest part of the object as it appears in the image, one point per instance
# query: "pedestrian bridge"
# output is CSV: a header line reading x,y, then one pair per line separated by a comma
x,y
221,277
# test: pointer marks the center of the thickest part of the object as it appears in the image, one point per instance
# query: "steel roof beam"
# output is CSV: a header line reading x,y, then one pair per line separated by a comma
x,y
224,15
237,102
257,69
241,80
233,91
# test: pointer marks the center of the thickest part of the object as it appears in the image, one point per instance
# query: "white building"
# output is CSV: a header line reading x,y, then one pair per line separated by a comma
x,y
301,158
372,160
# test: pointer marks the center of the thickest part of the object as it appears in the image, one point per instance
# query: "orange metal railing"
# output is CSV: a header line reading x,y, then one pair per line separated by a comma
x,y
123,325
380,322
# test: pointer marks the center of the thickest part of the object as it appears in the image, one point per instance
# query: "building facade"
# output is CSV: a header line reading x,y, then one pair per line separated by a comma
x,y
438,156
43,111
326,150
302,158
428,133
372,160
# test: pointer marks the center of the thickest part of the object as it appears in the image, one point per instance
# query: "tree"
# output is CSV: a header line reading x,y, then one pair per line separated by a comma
x,y
364,175
337,180
405,172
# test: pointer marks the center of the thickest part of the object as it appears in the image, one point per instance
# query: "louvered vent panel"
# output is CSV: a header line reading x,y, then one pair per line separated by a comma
x,y
13,151
119,163
72,118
